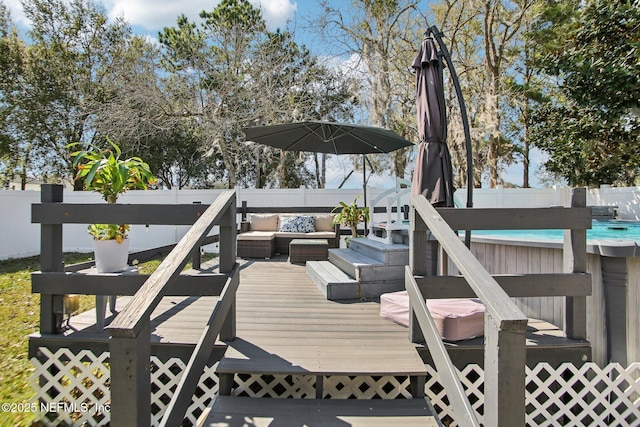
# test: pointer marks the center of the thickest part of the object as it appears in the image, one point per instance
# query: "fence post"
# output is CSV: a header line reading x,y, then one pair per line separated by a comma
x,y
196,258
504,373
130,360
423,261
575,261
51,260
228,231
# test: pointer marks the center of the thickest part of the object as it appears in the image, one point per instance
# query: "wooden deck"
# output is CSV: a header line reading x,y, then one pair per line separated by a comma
x,y
283,319
284,323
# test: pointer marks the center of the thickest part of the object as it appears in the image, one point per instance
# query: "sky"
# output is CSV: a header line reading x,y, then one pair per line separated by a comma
x,y
148,17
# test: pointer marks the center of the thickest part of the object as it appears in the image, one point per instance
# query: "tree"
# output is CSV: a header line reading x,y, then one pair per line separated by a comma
x,y
13,156
73,48
590,126
381,35
230,72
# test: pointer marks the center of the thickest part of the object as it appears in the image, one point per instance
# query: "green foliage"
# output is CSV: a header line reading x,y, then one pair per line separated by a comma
x,y
19,317
116,232
590,127
105,172
351,215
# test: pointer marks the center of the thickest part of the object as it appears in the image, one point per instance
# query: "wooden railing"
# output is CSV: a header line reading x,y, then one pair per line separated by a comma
x,y
505,325
130,331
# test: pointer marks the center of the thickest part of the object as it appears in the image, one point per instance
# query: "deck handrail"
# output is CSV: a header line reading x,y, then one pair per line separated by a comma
x,y
130,330
505,324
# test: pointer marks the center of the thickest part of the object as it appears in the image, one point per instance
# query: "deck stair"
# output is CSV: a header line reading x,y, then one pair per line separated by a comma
x,y
235,411
295,346
366,269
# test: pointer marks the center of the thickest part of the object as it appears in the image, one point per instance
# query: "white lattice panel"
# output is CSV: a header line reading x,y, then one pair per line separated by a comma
x,y
568,395
275,386
588,395
356,387
76,387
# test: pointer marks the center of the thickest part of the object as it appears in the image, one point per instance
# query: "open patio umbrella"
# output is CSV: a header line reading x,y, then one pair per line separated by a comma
x,y
328,137
432,176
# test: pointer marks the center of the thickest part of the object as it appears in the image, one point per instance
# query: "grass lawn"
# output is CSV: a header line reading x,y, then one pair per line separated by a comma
x,y
19,317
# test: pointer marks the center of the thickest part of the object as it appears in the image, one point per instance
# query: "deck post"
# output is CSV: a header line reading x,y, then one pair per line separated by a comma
x,y
51,260
423,261
228,232
504,373
130,360
575,261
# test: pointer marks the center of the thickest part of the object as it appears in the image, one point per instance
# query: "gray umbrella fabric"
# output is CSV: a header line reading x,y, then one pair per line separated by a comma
x,y
327,137
432,176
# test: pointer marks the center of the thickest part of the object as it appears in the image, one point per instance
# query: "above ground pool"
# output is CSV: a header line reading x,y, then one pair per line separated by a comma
x,y
601,230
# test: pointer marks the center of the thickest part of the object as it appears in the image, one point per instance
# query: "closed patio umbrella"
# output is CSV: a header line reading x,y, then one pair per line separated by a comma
x,y
432,176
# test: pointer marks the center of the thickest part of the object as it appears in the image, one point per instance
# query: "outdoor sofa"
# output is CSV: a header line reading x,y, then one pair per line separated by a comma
x,y
264,235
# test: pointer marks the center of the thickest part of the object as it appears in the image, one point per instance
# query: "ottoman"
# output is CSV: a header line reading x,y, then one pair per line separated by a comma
x,y
303,250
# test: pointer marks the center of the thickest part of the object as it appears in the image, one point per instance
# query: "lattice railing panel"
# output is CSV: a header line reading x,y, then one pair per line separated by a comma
x,y
365,387
275,386
587,395
74,388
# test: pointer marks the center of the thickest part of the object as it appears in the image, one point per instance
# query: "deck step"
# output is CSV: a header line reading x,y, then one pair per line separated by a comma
x,y
333,283
365,268
394,254
336,285
259,412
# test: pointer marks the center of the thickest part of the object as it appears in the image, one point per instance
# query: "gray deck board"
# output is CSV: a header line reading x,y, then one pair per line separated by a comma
x,y
285,325
281,311
235,412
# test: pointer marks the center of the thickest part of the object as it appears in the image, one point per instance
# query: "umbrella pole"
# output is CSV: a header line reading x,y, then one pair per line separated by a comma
x,y
364,188
465,121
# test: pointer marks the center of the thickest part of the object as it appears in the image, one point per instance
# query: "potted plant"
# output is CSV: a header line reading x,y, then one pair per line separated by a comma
x,y
104,171
351,215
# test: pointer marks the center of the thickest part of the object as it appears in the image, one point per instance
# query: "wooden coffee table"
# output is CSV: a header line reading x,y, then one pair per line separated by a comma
x,y
303,250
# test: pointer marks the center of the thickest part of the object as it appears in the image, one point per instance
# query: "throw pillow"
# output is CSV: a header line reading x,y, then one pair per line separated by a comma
x,y
324,222
263,222
288,224
306,224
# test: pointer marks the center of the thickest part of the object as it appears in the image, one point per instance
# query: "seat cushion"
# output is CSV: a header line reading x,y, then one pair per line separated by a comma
x,y
455,318
290,235
257,235
321,235
263,222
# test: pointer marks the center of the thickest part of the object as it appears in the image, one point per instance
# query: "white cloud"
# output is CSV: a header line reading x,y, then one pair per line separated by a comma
x,y
157,14
276,13
17,13
153,15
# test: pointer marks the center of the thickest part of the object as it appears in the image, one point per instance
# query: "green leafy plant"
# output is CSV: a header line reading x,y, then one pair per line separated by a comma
x,y
104,171
351,215
117,232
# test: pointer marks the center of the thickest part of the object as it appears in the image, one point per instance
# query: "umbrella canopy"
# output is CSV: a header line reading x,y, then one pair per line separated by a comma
x,y
327,137
432,176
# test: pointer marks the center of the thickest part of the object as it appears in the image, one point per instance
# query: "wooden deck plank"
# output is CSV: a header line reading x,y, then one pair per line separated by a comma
x,y
280,309
234,411
285,325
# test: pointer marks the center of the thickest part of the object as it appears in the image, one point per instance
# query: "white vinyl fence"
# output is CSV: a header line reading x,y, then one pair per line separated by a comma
x,y
20,238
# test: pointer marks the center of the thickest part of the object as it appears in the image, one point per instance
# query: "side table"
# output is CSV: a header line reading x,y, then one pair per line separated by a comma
x,y
303,250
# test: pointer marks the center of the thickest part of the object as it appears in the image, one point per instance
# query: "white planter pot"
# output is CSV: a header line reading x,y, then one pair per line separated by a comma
x,y
111,256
